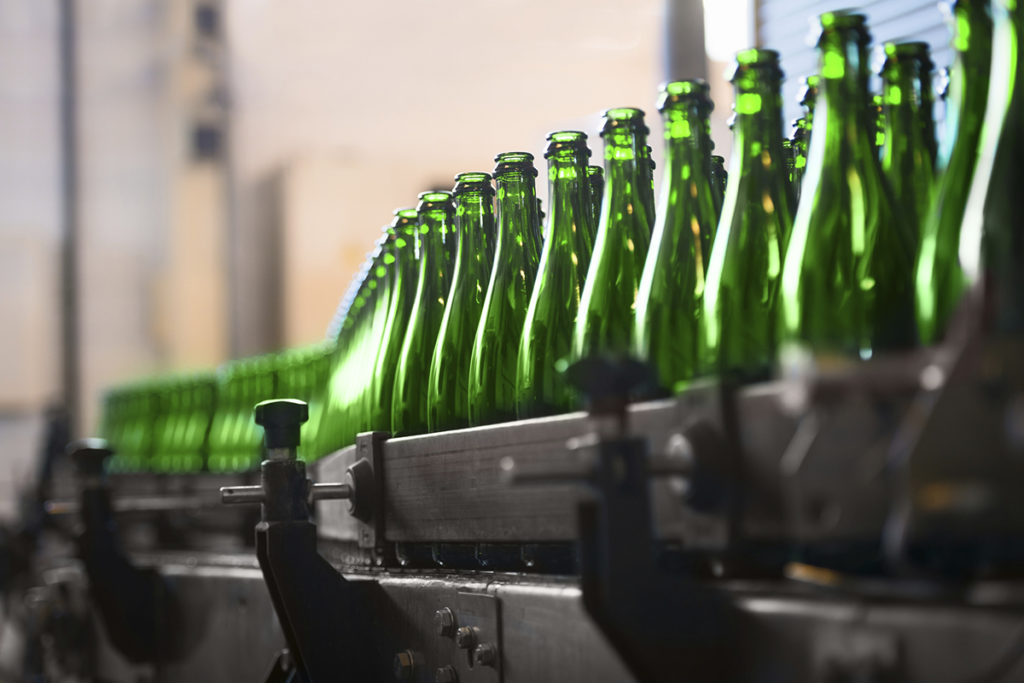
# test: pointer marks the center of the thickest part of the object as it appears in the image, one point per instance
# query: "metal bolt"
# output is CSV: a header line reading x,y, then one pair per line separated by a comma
x,y
403,666
444,621
485,654
446,674
465,637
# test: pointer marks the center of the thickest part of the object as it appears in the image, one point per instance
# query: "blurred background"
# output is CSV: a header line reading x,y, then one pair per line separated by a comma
x,y
184,182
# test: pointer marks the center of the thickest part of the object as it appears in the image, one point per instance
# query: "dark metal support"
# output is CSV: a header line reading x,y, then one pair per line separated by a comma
x,y
324,617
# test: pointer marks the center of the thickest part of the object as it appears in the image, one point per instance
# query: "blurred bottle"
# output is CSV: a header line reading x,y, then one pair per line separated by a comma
x,y
846,280
404,273
739,306
235,439
435,216
492,367
606,318
938,279
128,421
546,340
992,235
668,301
908,154
303,373
180,431
595,174
448,381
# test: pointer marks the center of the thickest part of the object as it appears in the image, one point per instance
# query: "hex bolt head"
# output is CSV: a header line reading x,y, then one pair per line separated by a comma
x,y
404,666
444,622
465,637
446,674
485,654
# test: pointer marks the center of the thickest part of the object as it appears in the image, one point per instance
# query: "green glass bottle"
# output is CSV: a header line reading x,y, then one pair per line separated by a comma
x,y
672,283
908,152
607,307
738,335
719,181
365,356
492,366
546,340
595,174
646,168
846,280
938,278
448,381
992,235
409,410
179,435
403,288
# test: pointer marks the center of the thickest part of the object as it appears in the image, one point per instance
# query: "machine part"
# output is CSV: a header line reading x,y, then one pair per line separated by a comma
x,y
323,615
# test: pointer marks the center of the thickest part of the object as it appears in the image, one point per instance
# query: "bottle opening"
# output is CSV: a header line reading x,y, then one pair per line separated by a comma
x,y
840,21
434,197
570,140
514,157
514,162
624,117
473,181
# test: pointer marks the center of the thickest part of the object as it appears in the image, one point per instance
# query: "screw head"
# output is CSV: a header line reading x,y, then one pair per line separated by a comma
x,y
403,666
485,654
465,637
444,622
446,674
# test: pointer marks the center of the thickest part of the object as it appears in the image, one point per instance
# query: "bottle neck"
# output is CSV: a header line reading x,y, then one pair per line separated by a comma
x,y
567,183
516,208
758,126
687,141
621,164
967,93
843,89
473,211
435,233
905,103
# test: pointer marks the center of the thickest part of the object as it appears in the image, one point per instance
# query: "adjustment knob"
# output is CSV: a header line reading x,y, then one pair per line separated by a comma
x,y
89,456
281,420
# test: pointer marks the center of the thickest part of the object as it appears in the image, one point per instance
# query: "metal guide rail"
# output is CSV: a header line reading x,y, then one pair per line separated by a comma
x,y
855,523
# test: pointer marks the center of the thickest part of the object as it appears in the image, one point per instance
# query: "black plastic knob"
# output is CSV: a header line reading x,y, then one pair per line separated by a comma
x,y
281,419
609,381
89,456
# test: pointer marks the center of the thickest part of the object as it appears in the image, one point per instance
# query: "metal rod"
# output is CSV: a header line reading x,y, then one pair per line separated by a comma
x,y
236,495
329,491
70,360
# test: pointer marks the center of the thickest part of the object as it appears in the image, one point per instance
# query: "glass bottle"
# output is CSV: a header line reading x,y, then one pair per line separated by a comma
x,y
938,278
672,283
606,319
448,381
908,152
992,235
492,367
595,174
846,280
739,306
435,216
403,289
546,340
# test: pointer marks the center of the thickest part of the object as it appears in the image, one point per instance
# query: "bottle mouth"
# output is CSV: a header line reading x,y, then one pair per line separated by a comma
x,y
593,170
572,140
841,21
809,91
472,181
433,200
514,162
913,52
624,117
756,60
691,90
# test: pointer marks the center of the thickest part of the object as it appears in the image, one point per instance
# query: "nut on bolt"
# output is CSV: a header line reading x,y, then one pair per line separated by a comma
x,y
465,637
446,674
485,654
444,621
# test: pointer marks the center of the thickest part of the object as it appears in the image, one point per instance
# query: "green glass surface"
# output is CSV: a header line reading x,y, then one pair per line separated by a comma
x,y
908,155
992,235
302,373
595,175
129,427
235,442
672,283
492,367
938,279
186,406
789,160
435,216
403,288
546,340
607,307
448,381
719,181
645,167
738,336
878,119
846,279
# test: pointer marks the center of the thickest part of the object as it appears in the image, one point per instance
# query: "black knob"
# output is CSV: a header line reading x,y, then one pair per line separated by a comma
x,y
89,456
281,420
609,381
